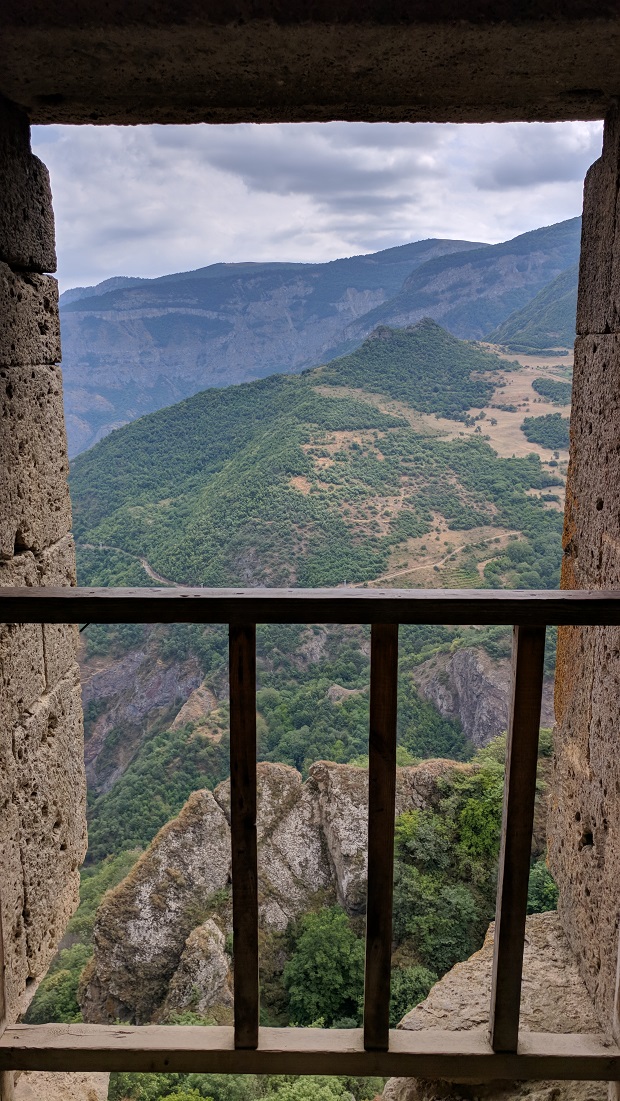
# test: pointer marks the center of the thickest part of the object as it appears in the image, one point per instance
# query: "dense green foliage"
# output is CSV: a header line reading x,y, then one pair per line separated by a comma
x,y
167,769
549,431
546,322
241,1087
396,362
325,975
557,392
446,866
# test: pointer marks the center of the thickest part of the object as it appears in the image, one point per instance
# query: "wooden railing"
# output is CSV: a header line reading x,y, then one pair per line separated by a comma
x,y
375,1050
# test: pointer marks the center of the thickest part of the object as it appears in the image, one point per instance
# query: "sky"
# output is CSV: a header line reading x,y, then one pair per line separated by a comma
x,y
150,200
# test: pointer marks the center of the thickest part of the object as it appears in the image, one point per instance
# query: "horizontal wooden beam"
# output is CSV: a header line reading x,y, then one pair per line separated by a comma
x,y
480,606
431,1053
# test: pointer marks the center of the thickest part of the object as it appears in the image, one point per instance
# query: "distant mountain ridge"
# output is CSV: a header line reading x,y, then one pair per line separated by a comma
x,y
545,323
132,346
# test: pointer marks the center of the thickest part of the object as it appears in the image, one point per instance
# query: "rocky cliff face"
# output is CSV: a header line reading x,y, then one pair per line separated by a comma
x,y
475,689
134,694
160,935
554,999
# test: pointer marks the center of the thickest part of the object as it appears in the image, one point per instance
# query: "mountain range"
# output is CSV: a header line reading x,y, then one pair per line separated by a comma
x,y
132,346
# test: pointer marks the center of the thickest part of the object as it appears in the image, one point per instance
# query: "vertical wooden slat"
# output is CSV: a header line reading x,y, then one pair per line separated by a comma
x,y
242,660
381,800
7,1091
528,654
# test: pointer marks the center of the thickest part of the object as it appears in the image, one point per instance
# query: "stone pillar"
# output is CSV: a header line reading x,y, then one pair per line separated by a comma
x,y
42,788
584,820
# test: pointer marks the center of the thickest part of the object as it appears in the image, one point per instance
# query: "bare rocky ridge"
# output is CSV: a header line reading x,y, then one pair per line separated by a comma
x,y
160,935
474,688
554,999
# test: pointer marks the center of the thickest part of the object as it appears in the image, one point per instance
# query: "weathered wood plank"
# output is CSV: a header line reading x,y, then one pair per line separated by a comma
x,y
381,800
242,665
7,1085
528,655
427,1054
75,605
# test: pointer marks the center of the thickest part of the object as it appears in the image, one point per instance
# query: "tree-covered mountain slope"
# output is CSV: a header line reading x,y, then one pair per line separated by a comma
x,y
311,480
373,468
131,346
474,291
545,323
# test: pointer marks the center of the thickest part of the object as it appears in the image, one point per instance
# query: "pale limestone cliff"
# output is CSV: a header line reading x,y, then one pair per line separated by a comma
x,y
554,999
160,935
203,979
144,922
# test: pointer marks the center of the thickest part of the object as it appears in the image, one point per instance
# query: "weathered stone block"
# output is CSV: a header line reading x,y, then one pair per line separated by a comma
x,y
26,215
29,322
50,797
584,811
34,495
22,671
22,667
12,902
592,519
598,301
56,566
42,1085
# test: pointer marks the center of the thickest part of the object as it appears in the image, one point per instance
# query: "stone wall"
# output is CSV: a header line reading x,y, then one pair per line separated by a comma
x,y
42,789
584,823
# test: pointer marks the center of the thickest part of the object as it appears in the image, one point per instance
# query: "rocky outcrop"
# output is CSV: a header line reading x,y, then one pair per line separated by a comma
x,y
160,935
203,980
554,999
474,688
143,923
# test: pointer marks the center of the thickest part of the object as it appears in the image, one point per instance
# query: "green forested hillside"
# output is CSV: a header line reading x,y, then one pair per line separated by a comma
x,y
310,480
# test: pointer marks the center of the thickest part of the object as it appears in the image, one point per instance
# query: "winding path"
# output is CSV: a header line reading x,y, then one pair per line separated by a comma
x,y
146,566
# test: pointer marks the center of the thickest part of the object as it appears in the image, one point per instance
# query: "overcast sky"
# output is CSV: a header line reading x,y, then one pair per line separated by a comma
x,y
150,200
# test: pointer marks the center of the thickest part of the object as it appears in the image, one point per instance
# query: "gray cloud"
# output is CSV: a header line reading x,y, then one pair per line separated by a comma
x,y
151,200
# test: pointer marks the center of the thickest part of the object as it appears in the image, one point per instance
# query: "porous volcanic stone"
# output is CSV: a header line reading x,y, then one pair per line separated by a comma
x,y
584,806
34,496
50,796
554,999
40,1085
26,214
56,566
29,322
